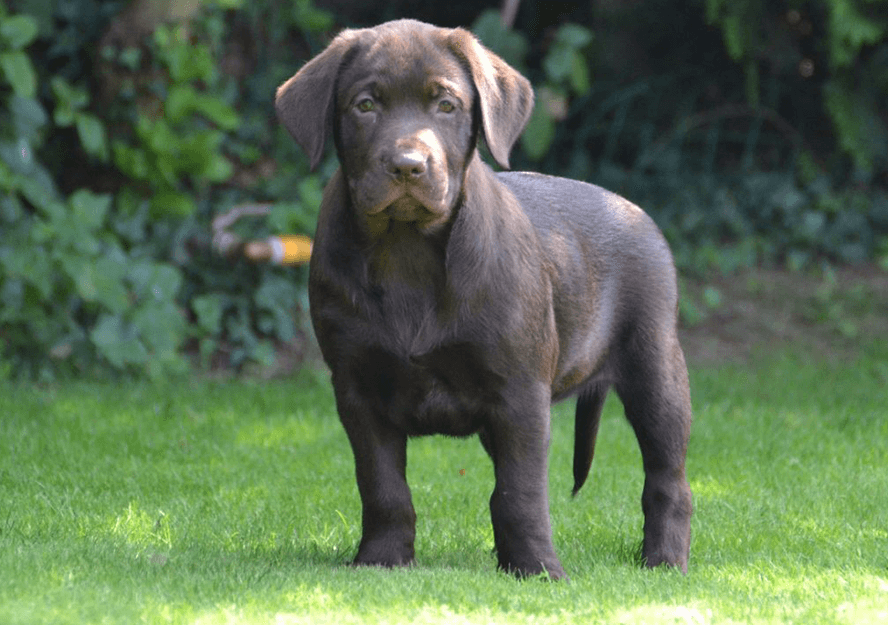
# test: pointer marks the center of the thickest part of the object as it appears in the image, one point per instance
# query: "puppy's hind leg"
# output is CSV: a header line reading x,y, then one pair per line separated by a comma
x,y
655,394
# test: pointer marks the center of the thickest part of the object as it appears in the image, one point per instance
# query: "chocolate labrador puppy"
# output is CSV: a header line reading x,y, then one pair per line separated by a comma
x,y
449,299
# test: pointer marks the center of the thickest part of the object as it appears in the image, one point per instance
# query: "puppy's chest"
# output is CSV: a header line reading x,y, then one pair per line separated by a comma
x,y
447,390
408,303
407,320
417,366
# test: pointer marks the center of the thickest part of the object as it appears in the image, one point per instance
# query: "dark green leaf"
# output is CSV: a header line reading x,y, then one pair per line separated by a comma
x,y
117,341
19,73
130,58
39,189
509,44
574,36
18,30
11,209
278,295
92,135
12,294
90,209
539,133
28,117
68,96
16,157
180,102
209,309
311,19
171,203
580,75
161,327
101,281
8,180
155,281
559,64
712,297
131,161
217,111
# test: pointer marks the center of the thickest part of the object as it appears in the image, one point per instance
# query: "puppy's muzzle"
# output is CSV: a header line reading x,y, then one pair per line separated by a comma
x,y
408,179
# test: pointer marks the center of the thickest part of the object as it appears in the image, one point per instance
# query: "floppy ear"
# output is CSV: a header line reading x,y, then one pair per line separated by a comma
x,y
304,103
506,97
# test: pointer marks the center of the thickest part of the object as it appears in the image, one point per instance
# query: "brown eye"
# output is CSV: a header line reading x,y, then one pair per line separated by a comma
x,y
366,105
446,106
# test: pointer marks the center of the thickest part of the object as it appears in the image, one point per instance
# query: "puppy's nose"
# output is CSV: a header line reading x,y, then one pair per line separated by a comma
x,y
407,165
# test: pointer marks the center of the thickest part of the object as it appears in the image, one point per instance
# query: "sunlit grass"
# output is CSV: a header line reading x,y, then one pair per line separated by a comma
x,y
230,502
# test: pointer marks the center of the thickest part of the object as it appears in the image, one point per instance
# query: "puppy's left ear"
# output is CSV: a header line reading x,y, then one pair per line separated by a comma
x,y
304,103
506,97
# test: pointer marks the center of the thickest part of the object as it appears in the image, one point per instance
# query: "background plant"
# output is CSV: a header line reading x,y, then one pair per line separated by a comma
x,y
118,273
754,133
71,289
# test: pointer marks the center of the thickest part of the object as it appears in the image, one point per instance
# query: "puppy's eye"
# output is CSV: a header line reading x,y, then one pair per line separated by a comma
x,y
366,105
446,106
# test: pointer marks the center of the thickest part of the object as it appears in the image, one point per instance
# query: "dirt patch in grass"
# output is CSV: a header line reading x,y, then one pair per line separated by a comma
x,y
831,314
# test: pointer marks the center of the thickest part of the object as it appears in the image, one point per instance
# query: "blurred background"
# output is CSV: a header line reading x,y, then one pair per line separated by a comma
x,y
755,133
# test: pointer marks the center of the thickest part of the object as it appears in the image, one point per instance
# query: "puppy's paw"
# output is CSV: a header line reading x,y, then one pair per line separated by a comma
x,y
551,571
385,553
673,560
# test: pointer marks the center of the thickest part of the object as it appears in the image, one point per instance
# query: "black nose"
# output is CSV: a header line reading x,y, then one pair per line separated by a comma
x,y
407,165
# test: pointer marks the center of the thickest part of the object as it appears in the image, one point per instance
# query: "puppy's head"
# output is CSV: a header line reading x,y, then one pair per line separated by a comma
x,y
405,102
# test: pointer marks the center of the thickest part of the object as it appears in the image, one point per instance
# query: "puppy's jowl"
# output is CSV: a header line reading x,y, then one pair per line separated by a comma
x,y
450,299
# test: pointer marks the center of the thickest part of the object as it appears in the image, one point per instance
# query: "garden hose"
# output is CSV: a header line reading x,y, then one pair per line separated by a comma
x,y
279,249
292,249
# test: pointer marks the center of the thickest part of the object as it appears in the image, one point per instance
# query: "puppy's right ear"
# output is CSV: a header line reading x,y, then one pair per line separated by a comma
x,y
304,103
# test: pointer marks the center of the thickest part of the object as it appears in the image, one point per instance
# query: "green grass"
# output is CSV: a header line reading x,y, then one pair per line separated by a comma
x,y
235,502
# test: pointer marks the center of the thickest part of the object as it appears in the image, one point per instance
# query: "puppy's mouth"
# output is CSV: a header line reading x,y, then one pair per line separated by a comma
x,y
407,208
418,206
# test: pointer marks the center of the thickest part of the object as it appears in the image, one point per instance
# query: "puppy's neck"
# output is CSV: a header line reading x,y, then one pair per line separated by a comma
x,y
405,256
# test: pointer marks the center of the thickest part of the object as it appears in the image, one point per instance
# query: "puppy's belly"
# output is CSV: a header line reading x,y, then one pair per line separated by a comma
x,y
449,390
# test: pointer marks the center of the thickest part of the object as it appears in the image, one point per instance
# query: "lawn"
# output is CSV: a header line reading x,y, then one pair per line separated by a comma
x,y
234,502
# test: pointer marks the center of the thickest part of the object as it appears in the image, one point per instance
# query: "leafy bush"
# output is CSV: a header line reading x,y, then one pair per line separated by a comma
x,y
122,278
854,62
785,163
70,286
565,74
768,145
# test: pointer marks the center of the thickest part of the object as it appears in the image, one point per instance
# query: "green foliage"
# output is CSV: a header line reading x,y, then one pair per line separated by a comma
x,y
115,155
91,280
862,133
734,185
175,152
71,110
855,68
740,22
16,33
510,44
565,74
69,289
851,29
771,219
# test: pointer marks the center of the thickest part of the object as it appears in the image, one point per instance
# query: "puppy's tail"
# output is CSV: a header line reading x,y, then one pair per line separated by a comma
x,y
587,418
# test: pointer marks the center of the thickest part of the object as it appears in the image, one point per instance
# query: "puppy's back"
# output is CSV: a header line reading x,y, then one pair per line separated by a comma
x,y
572,215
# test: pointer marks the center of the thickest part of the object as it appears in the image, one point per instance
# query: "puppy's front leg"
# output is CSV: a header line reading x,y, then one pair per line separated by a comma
x,y
388,518
519,507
